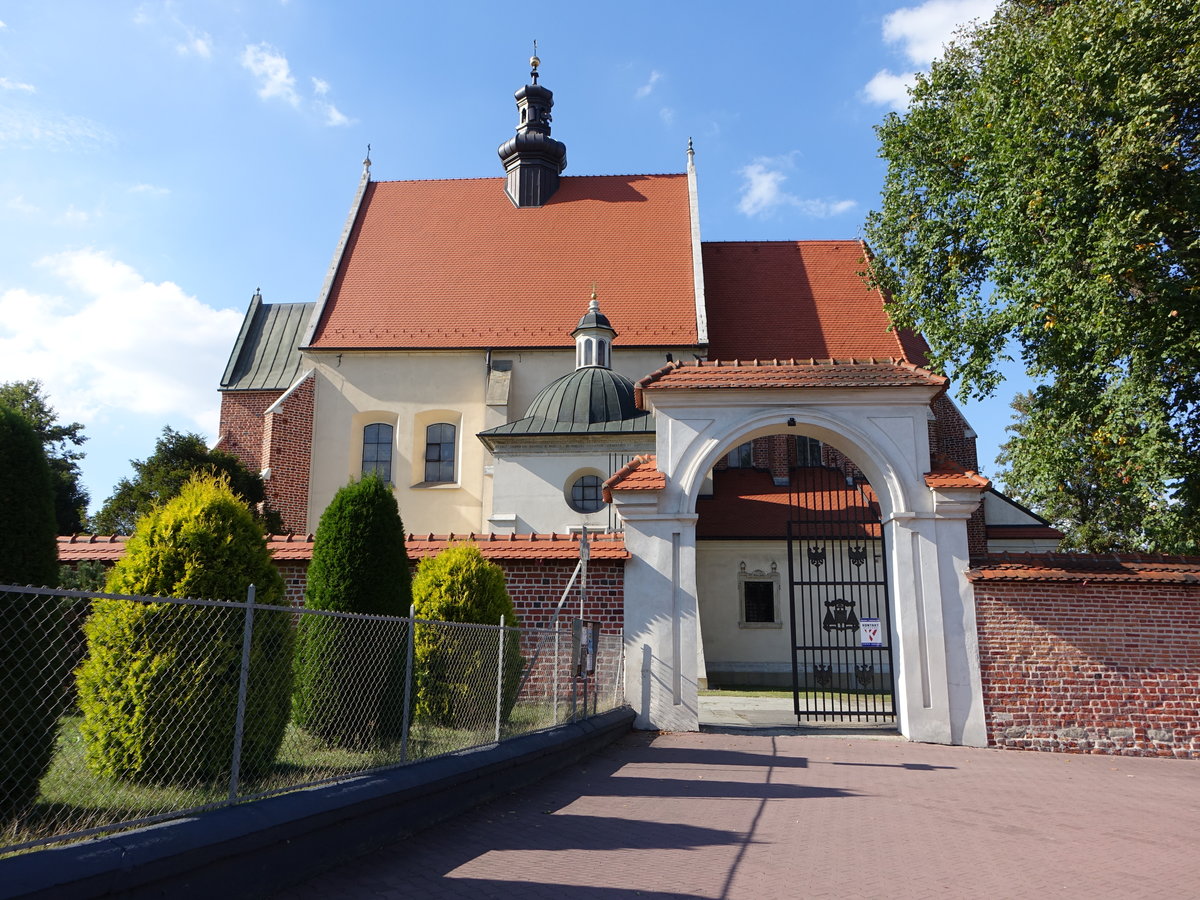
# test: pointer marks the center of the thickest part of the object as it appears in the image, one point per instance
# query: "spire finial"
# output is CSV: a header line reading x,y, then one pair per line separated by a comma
x,y
534,62
691,149
594,304
367,161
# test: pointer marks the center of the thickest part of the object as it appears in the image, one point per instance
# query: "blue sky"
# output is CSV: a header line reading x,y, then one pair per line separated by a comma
x,y
159,161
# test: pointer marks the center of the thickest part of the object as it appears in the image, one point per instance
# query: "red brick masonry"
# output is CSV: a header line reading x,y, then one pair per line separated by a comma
x,y
1091,654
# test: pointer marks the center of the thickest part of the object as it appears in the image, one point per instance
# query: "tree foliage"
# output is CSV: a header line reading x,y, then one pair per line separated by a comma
x,y
350,672
159,687
1043,193
32,629
59,441
177,457
456,670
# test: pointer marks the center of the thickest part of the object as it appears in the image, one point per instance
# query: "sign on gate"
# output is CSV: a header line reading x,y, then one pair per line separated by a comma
x,y
870,634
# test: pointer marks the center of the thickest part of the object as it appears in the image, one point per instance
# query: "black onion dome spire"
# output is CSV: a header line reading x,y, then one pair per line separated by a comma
x,y
532,159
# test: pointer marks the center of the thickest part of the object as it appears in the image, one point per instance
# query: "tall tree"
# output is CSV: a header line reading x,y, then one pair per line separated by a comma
x,y
177,457
59,441
32,631
1043,193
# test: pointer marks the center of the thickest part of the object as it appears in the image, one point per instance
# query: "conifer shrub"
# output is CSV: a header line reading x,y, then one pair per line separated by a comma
x,y
33,660
350,672
159,686
456,668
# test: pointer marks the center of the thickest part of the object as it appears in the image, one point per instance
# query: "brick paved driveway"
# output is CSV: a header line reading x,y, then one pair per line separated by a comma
x,y
782,816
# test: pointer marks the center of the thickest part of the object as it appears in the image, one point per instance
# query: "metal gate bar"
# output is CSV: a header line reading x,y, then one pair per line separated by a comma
x,y
837,574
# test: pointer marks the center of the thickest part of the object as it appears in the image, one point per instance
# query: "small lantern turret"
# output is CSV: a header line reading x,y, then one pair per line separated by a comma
x,y
593,337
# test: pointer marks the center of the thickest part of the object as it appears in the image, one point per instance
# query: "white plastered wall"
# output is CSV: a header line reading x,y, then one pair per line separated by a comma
x,y
938,692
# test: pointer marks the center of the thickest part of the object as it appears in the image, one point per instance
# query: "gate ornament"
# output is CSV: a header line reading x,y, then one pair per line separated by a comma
x,y
858,556
839,616
864,674
816,556
823,674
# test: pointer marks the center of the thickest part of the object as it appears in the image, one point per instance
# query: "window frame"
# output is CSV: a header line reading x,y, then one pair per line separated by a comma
x,y
759,576
390,444
441,443
599,487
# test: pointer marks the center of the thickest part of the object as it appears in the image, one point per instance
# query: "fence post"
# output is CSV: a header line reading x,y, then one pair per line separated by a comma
x,y
499,679
243,683
408,682
554,669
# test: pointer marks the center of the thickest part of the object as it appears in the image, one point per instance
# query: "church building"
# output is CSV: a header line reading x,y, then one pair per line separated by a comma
x,y
538,353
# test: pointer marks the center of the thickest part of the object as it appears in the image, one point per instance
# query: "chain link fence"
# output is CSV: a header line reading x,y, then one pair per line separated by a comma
x,y
143,709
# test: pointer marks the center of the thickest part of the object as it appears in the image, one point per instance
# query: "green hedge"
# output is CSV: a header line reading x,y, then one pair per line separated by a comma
x,y
350,672
456,668
158,689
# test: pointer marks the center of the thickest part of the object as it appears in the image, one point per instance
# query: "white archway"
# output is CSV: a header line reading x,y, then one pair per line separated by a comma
x,y
885,431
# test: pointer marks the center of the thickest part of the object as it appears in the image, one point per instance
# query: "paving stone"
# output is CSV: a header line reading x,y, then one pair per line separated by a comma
x,y
763,816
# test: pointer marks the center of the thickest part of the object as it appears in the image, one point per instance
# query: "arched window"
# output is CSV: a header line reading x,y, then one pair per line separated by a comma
x,y
377,450
586,494
439,453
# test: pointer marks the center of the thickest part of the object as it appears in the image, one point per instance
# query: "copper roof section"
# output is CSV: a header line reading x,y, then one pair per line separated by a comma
x,y
265,354
1088,568
639,474
454,264
796,299
946,473
790,373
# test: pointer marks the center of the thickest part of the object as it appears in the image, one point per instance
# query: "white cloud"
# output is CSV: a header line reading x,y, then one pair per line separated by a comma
x,y
23,206
152,189
922,31
7,84
27,129
274,74
197,44
667,115
74,216
112,343
645,89
320,86
333,116
763,193
889,89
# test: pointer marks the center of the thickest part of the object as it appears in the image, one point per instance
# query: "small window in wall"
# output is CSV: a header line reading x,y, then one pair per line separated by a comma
x,y
439,453
758,598
741,457
377,450
586,494
808,452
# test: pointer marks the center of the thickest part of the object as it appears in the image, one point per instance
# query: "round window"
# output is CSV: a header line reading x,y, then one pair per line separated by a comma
x,y
586,494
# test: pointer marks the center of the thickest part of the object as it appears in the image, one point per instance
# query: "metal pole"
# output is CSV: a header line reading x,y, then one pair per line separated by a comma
x,y
499,679
554,677
243,683
585,551
408,682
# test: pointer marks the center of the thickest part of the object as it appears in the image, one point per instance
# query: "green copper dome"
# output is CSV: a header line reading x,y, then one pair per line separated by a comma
x,y
588,396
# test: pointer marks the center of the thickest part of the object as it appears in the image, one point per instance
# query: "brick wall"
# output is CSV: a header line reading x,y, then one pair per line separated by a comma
x,y
535,587
286,438
242,424
1091,668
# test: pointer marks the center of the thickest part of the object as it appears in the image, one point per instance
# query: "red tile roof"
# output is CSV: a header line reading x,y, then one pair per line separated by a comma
x,y
789,373
110,548
1084,568
746,503
947,473
449,264
639,474
796,299
521,546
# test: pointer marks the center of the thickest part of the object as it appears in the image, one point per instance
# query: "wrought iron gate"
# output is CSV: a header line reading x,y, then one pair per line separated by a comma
x,y
837,573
